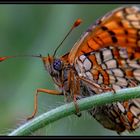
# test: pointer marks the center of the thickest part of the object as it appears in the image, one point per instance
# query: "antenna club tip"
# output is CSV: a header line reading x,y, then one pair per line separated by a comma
x,y
3,58
77,22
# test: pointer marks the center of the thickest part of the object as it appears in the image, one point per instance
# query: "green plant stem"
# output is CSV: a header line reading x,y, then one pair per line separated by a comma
x,y
69,109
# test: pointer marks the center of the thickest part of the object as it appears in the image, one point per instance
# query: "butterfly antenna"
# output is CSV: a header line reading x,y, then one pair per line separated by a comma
x,y
76,23
6,57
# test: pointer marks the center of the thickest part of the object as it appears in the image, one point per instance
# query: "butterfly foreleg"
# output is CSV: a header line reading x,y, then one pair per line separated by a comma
x,y
74,86
54,92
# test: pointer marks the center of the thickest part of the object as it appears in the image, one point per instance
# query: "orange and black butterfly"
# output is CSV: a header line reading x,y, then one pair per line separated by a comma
x,y
106,57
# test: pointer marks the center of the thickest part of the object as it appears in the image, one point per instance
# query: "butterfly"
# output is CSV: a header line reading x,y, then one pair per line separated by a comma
x,y
106,57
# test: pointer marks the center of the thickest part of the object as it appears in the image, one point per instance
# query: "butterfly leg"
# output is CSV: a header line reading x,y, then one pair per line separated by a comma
x,y
78,113
55,92
73,84
77,92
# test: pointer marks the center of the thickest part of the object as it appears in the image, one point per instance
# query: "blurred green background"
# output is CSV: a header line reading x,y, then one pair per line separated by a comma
x,y
38,29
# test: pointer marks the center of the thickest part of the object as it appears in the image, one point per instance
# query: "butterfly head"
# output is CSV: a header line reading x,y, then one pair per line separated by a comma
x,y
54,67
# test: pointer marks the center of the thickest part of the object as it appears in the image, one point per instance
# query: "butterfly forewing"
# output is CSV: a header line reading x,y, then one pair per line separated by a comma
x,y
117,28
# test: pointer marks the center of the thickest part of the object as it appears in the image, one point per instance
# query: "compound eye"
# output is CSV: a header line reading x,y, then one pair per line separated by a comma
x,y
57,65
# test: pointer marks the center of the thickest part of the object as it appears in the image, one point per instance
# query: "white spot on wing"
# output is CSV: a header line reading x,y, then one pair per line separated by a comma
x,y
136,74
89,75
87,64
118,72
111,64
107,55
120,106
133,64
97,55
79,67
116,87
82,58
136,123
136,102
135,24
135,110
123,53
121,81
113,113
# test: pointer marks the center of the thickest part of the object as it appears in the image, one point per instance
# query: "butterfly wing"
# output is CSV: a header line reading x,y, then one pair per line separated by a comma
x,y
117,28
107,54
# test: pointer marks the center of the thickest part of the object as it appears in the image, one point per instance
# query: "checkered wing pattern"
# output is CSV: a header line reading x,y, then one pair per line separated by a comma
x,y
120,27
108,54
